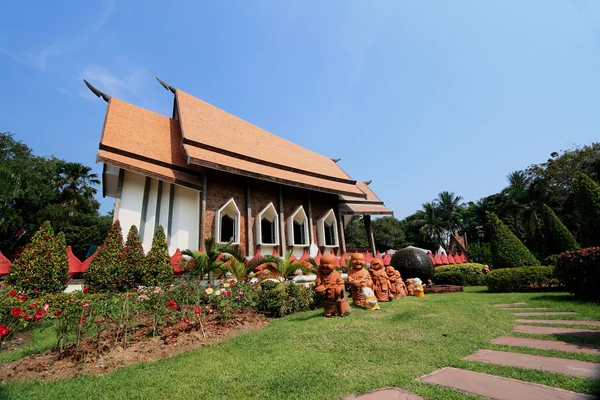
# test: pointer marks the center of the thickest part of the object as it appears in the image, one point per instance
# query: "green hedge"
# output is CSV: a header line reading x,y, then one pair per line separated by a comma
x,y
469,274
521,279
507,250
558,239
579,270
279,299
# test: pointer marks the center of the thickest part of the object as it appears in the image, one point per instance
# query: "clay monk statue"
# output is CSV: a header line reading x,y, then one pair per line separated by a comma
x,y
331,285
394,277
358,278
381,282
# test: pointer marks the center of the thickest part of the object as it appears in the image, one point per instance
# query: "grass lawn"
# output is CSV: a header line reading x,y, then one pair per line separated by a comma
x,y
42,339
306,356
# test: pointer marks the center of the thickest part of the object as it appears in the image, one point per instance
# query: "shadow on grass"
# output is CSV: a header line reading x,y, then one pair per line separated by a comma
x,y
559,298
304,317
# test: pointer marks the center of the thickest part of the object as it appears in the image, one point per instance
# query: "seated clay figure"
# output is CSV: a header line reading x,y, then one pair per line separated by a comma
x,y
391,273
381,282
401,286
358,278
331,285
410,287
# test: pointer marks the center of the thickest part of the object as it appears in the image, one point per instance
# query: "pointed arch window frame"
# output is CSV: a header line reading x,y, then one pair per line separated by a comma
x,y
275,221
331,220
235,214
299,215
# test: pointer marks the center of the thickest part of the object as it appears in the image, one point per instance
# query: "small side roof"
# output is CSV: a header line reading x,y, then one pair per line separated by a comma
x,y
372,205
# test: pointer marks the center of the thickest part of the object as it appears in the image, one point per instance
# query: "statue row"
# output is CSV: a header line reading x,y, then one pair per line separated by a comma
x,y
385,282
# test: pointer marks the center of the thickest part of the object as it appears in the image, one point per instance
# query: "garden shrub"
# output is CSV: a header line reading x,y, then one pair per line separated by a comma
x,y
587,202
104,269
579,271
413,263
557,238
552,259
521,279
481,253
279,299
468,274
134,260
160,270
507,250
43,266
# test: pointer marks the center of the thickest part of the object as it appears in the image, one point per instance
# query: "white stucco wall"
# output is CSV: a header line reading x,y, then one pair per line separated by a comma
x,y
130,211
186,215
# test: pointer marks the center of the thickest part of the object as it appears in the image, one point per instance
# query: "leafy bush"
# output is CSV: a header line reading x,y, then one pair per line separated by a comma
x,y
579,270
552,259
134,261
469,274
160,270
279,299
557,238
104,269
413,263
587,202
507,250
521,279
481,253
43,267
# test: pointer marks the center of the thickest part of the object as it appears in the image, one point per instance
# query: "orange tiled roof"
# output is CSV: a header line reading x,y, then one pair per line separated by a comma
x,y
372,205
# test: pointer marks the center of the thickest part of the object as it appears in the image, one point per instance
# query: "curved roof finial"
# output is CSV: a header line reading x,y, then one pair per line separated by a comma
x,y
368,182
98,93
335,160
166,85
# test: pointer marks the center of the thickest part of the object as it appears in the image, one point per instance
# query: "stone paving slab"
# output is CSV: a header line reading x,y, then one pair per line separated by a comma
x,y
385,394
548,345
552,330
523,308
558,322
498,388
564,366
535,314
509,305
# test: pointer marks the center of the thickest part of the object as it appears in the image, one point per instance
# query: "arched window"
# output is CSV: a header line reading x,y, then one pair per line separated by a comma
x,y
228,223
327,230
298,228
267,229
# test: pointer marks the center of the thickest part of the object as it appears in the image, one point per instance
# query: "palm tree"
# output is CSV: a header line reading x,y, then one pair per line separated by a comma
x,y
429,222
76,183
278,267
449,210
214,259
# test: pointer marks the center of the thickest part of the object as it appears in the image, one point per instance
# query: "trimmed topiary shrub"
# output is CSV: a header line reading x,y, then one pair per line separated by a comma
x,y
557,238
469,274
102,274
413,263
579,271
552,260
43,266
507,250
587,202
280,299
160,270
521,279
134,260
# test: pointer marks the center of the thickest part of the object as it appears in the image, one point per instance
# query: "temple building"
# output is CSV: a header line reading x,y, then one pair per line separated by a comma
x,y
205,173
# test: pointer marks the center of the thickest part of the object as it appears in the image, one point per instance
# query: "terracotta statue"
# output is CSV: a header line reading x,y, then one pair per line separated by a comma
x,y
401,286
410,287
358,278
330,283
381,282
393,277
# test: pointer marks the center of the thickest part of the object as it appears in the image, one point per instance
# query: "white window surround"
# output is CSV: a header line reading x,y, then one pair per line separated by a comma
x,y
231,209
270,214
298,216
329,219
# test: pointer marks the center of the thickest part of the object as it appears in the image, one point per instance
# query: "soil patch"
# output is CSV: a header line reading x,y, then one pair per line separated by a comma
x,y
50,366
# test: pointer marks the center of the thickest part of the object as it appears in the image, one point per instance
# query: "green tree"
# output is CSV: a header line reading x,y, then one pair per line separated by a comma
x,y
76,183
558,239
587,201
203,264
43,266
102,274
388,234
160,270
355,234
430,224
449,209
133,262
507,250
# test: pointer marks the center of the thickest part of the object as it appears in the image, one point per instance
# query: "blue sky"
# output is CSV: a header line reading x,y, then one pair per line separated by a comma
x,y
419,96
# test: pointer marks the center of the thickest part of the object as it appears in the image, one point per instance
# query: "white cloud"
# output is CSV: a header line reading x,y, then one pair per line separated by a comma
x,y
127,83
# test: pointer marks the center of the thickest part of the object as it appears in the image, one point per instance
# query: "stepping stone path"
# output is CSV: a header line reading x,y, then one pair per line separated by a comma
x,y
548,345
500,388
386,394
551,330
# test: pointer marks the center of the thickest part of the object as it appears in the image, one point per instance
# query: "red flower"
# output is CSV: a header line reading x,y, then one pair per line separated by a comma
x,y
17,312
34,305
22,297
4,330
84,305
197,310
172,304
100,320
187,321
237,298
85,290
57,312
173,340
83,319
39,314
27,317
13,293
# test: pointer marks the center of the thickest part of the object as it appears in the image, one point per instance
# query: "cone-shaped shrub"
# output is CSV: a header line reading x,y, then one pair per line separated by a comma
x,y
557,238
587,201
507,250
101,275
134,261
160,270
43,267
